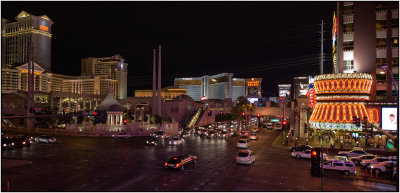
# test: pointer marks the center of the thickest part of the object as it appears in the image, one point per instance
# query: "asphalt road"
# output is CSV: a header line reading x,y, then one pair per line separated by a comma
x,y
105,164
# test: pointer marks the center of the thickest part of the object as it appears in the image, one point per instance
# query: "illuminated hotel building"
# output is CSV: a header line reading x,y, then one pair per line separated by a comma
x,y
367,38
166,93
15,38
220,86
113,68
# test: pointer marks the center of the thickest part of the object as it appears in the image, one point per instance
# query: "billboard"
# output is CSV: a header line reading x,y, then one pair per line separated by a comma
x,y
389,118
284,91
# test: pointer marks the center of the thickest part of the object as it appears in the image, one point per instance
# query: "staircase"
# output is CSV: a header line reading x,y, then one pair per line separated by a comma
x,y
195,118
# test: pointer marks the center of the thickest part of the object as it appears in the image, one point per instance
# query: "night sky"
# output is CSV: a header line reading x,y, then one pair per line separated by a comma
x,y
271,40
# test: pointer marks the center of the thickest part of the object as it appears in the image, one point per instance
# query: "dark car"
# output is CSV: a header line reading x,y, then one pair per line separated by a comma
x,y
180,161
153,141
7,143
21,141
300,148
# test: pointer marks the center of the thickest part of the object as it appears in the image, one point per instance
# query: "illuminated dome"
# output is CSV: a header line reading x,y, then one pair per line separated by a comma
x,y
339,97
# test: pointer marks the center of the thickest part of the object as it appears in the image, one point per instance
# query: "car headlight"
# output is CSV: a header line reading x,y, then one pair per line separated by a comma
x,y
23,142
372,166
147,141
5,145
12,143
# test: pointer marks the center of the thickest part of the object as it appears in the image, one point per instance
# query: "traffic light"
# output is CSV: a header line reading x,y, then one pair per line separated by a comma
x,y
96,117
103,117
243,115
64,111
209,113
316,163
305,127
258,115
125,121
221,113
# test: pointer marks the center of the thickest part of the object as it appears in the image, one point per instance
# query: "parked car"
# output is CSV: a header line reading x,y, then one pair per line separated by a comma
x,y
352,153
305,154
7,143
357,160
180,161
121,135
253,136
342,158
382,167
300,148
45,139
377,160
176,140
21,141
245,157
153,141
346,167
243,143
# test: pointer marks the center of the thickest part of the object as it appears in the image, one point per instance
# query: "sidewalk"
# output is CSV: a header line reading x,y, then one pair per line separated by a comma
x,y
10,163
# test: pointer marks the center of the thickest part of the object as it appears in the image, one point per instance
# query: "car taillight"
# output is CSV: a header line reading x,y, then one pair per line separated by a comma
x,y
248,158
166,164
177,165
237,157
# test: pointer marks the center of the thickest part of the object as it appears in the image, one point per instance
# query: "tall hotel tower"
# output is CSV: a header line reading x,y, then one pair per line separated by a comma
x,y
367,39
15,37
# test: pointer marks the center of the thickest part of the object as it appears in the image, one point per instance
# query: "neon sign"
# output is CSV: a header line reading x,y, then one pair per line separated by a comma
x,y
44,28
253,83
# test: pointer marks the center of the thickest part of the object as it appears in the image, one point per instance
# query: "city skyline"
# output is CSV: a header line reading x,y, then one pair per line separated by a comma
x,y
259,42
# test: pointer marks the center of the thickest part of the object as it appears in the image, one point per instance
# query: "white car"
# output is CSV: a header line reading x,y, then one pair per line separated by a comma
x,y
306,154
278,126
243,143
45,139
175,140
121,135
269,126
352,153
381,167
377,160
253,136
246,157
347,167
357,160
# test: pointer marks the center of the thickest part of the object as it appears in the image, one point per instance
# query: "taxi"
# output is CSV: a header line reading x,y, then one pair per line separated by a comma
x,y
179,162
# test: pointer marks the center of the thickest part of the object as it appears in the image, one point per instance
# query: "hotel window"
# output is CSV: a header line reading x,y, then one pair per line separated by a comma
x,y
381,42
395,5
348,10
395,42
348,66
380,62
395,61
395,23
349,27
381,25
381,78
348,45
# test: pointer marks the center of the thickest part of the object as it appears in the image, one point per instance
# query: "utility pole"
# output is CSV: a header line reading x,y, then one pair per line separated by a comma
x,y
154,101
322,48
159,82
30,93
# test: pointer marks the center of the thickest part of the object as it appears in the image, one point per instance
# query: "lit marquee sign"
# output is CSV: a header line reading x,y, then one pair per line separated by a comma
x,y
253,83
284,90
43,26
